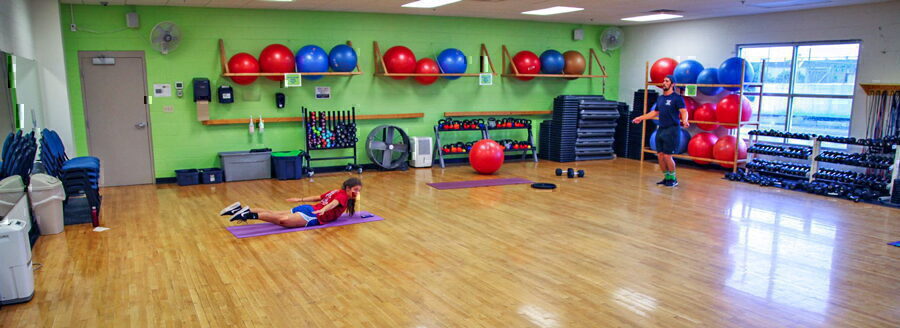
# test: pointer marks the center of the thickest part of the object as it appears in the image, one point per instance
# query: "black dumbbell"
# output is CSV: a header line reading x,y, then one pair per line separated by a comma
x,y
580,173
559,172
570,172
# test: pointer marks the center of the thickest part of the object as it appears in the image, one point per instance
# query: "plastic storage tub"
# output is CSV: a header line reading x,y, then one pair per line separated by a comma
x,y
287,165
47,196
244,165
187,177
211,175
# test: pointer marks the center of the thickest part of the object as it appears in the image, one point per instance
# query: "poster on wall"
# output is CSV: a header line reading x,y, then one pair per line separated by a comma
x,y
690,90
323,92
292,80
485,79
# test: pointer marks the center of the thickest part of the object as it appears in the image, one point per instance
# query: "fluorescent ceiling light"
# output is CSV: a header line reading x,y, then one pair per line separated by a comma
x,y
650,18
429,3
552,11
788,3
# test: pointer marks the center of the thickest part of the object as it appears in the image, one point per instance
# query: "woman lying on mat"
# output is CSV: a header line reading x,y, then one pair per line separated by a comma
x,y
329,207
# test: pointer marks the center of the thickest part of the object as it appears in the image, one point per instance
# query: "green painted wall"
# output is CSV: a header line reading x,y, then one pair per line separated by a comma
x,y
180,141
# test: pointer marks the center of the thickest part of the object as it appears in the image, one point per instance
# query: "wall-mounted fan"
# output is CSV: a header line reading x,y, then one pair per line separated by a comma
x,y
611,39
165,37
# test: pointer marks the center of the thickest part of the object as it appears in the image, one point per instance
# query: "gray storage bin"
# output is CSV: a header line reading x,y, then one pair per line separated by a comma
x,y
244,165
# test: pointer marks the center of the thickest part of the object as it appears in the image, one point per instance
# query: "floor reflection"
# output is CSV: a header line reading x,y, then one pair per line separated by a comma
x,y
782,258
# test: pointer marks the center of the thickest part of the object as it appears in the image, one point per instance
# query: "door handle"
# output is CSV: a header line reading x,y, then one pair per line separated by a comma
x,y
141,125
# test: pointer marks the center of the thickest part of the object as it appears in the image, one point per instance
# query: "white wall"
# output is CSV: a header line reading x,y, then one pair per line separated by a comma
x,y
714,40
31,29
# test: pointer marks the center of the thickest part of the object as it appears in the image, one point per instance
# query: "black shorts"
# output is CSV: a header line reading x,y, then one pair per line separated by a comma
x,y
668,139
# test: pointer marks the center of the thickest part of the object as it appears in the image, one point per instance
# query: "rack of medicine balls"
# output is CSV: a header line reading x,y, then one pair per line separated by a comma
x,y
483,126
330,130
871,178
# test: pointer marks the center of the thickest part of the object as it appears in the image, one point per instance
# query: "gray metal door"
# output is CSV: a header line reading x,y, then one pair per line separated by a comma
x,y
114,88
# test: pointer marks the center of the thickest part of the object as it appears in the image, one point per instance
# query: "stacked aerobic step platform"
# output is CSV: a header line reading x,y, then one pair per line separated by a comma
x,y
583,128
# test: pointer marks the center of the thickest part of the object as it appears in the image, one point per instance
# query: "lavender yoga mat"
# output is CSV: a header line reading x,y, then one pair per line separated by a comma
x,y
478,183
262,229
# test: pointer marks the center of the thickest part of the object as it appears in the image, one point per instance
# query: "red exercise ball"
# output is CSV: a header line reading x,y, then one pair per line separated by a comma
x,y
724,150
276,58
707,113
526,62
486,156
701,145
243,63
690,105
427,66
727,109
662,67
399,59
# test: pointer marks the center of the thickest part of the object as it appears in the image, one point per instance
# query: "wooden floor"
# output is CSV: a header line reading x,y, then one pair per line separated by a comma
x,y
609,250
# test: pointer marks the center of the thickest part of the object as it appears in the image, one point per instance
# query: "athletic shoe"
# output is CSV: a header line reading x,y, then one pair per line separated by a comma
x,y
242,215
662,182
671,183
231,209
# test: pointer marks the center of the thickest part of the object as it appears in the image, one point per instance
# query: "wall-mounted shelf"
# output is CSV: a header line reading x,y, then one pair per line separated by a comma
x,y
226,73
498,113
300,119
723,124
872,88
379,63
592,58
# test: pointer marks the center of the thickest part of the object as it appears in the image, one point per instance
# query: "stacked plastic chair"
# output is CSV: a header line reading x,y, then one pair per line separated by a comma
x,y
18,155
80,175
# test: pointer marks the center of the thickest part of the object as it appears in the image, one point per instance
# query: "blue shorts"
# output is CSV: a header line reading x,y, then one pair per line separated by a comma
x,y
307,212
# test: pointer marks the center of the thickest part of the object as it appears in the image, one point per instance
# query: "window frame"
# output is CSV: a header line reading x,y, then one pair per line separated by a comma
x,y
790,95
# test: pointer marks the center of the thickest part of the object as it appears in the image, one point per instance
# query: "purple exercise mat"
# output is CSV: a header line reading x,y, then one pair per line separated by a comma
x,y
262,229
478,183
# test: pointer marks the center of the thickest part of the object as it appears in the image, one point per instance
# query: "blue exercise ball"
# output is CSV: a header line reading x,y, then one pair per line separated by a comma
x,y
342,58
730,72
452,61
311,59
552,62
709,76
682,143
687,71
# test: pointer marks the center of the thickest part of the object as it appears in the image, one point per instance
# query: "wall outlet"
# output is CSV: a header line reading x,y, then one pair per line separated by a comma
x,y
73,27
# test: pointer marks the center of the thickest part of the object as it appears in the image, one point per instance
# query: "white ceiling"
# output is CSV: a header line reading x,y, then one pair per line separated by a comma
x,y
607,12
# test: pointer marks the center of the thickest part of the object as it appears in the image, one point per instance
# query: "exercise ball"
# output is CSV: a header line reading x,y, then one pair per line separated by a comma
x,y
526,62
709,76
427,66
661,68
276,58
707,113
401,60
701,145
730,72
690,105
723,150
452,61
730,106
552,62
312,59
486,156
243,63
575,63
682,143
342,58
687,71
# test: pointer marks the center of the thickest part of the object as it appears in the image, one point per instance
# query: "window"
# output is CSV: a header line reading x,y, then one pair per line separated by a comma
x,y
807,87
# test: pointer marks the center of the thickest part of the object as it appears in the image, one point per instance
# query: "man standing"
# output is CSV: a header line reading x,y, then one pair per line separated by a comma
x,y
671,113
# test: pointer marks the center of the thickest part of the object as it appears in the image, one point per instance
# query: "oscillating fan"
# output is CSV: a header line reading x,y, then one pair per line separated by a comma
x,y
611,39
165,37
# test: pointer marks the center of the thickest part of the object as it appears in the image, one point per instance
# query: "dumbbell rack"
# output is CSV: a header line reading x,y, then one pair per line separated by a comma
x,y
438,143
332,121
484,135
813,162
